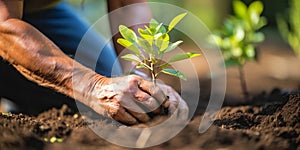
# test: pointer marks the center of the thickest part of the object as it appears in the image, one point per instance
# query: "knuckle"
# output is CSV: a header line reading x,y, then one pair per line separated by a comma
x,y
133,80
133,77
142,97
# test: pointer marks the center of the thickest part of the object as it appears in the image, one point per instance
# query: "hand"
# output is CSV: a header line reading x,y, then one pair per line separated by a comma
x,y
174,99
176,103
127,99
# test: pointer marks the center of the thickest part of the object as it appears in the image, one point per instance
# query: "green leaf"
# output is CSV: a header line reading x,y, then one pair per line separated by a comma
x,y
257,37
148,37
230,62
127,33
142,31
250,52
172,46
140,66
261,23
239,34
282,25
131,57
159,27
129,45
257,7
165,65
53,139
151,31
144,44
174,73
175,21
59,140
153,23
236,52
183,56
163,42
228,27
240,9
158,35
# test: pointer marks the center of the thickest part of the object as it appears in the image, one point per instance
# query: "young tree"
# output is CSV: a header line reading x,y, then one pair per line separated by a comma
x,y
150,47
239,37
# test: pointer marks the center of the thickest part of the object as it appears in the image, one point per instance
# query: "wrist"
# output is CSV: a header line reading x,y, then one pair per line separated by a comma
x,y
85,82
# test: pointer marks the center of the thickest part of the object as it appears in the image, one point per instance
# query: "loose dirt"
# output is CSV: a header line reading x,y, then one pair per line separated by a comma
x,y
274,124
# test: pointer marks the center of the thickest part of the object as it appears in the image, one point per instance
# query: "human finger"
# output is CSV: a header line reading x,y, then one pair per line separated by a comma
x,y
130,104
153,90
146,100
182,109
175,101
141,117
124,117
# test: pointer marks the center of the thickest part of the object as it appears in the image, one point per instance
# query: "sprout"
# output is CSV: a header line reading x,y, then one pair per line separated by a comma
x,y
149,48
239,36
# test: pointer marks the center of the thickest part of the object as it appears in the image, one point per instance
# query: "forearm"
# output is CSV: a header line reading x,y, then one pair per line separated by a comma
x,y
39,60
134,16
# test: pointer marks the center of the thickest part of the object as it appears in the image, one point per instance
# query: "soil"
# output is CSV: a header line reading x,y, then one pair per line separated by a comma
x,y
273,123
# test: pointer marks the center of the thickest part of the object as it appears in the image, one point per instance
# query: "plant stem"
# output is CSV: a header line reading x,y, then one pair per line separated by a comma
x,y
153,73
243,83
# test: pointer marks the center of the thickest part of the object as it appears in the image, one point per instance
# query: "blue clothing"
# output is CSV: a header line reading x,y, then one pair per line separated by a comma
x,y
62,26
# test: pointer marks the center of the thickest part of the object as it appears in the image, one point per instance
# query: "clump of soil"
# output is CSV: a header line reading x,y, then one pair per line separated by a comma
x,y
274,125
23,131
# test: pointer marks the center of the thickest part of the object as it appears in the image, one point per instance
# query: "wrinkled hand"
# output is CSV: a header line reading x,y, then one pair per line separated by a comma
x,y
128,99
176,104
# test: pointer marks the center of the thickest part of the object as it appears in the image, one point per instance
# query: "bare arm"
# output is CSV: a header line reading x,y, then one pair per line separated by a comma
x,y
41,61
37,58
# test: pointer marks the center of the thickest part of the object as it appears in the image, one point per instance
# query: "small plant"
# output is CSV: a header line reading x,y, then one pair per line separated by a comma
x,y
6,114
54,139
149,49
239,36
289,29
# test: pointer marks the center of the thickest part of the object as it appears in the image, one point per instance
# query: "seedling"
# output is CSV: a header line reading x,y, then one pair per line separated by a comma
x,y
6,114
150,47
289,28
54,139
239,36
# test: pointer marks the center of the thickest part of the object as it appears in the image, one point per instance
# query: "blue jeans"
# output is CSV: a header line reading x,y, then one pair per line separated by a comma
x,y
62,26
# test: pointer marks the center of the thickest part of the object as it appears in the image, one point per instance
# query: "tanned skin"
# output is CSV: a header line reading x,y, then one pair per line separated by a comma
x,y
41,61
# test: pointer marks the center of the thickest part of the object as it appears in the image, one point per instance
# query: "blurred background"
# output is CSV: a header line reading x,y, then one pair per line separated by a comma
x,y
277,66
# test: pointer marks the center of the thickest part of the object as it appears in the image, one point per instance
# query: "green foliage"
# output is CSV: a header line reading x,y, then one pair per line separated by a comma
x,y
6,114
149,48
54,139
239,35
289,28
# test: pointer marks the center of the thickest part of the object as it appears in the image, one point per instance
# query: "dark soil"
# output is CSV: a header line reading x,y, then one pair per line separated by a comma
x,y
272,125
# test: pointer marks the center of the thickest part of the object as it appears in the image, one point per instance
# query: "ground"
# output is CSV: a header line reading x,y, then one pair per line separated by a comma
x,y
271,120
272,125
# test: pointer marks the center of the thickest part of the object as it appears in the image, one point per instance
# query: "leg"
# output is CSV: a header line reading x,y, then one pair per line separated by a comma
x,y
66,30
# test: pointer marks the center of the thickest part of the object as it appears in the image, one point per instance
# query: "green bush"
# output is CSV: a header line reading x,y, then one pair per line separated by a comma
x,y
289,27
239,35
